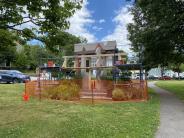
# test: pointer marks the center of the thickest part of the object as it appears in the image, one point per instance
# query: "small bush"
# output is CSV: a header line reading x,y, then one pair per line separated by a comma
x,y
138,93
129,94
118,94
67,90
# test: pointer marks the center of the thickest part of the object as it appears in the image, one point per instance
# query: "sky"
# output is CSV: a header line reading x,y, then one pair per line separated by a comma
x,y
102,20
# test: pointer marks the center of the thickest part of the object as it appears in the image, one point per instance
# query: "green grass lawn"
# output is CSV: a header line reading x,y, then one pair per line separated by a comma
x,y
51,119
176,87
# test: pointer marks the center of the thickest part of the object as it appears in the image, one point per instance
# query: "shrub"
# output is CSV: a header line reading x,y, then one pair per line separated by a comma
x,y
67,90
118,94
138,93
129,93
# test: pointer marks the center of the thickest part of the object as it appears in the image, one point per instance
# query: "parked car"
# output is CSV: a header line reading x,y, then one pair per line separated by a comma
x,y
13,76
165,78
180,77
152,77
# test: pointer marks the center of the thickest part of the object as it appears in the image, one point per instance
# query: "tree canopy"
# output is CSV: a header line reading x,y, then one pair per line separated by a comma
x,y
45,15
61,42
48,19
158,31
7,45
30,57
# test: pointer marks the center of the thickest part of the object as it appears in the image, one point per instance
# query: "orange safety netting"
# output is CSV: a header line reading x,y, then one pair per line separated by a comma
x,y
97,89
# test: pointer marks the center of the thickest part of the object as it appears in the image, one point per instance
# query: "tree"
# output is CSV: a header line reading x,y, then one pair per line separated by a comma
x,y
176,63
157,32
46,15
61,42
38,54
182,67
56,45
31,57
21,61
7,46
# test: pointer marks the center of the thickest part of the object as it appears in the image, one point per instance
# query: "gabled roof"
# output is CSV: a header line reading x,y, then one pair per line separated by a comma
x,y
91,47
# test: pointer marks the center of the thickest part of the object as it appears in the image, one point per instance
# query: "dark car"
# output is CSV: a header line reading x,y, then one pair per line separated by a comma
x,y
13,76
165,78
152,77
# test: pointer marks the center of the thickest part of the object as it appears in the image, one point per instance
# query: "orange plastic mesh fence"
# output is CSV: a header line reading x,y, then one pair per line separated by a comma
x,y
135,89
98,89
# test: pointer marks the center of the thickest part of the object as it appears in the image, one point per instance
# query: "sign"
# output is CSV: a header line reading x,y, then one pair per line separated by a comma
x,y
50,63
119,62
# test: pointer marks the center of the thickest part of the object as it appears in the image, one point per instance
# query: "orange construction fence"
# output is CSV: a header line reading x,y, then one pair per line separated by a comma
x,y
100,89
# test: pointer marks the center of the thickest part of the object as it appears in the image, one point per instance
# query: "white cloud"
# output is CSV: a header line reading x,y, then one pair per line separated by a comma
x,y
120,32
101,21
79,21
96,28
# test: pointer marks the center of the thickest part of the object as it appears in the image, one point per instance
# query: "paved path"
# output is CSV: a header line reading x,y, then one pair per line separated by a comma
x,y
171,115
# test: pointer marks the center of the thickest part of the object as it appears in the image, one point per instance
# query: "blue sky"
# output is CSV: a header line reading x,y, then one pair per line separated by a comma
x,y
102,20
103,12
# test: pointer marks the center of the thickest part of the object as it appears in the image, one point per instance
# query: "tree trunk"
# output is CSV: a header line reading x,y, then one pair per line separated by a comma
x,y
178,70
162,71
179,75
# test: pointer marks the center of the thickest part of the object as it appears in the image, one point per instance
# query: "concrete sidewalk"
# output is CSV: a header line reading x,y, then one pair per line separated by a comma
x,y
171,114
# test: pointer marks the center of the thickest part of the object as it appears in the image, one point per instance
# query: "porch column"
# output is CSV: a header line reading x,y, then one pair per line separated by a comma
x,y
119,57
65,62
76,63
83,64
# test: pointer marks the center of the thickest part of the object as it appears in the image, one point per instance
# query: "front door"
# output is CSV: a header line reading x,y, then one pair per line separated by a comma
x,y
87,65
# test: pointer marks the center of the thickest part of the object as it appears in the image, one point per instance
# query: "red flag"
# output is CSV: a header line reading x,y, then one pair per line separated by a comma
x,y
26,97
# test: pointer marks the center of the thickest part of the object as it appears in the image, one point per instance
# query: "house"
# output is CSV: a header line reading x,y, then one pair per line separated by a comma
x,y
96,54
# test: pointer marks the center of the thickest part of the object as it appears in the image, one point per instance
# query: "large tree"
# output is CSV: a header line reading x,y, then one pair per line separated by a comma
x,y
61,42
158,31
7,46
45,15
31,56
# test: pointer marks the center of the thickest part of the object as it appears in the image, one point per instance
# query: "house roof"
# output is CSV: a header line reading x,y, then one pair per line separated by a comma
x,y
91,47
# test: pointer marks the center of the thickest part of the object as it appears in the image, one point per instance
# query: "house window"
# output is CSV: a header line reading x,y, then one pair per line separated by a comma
x,y
93,62
109,61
